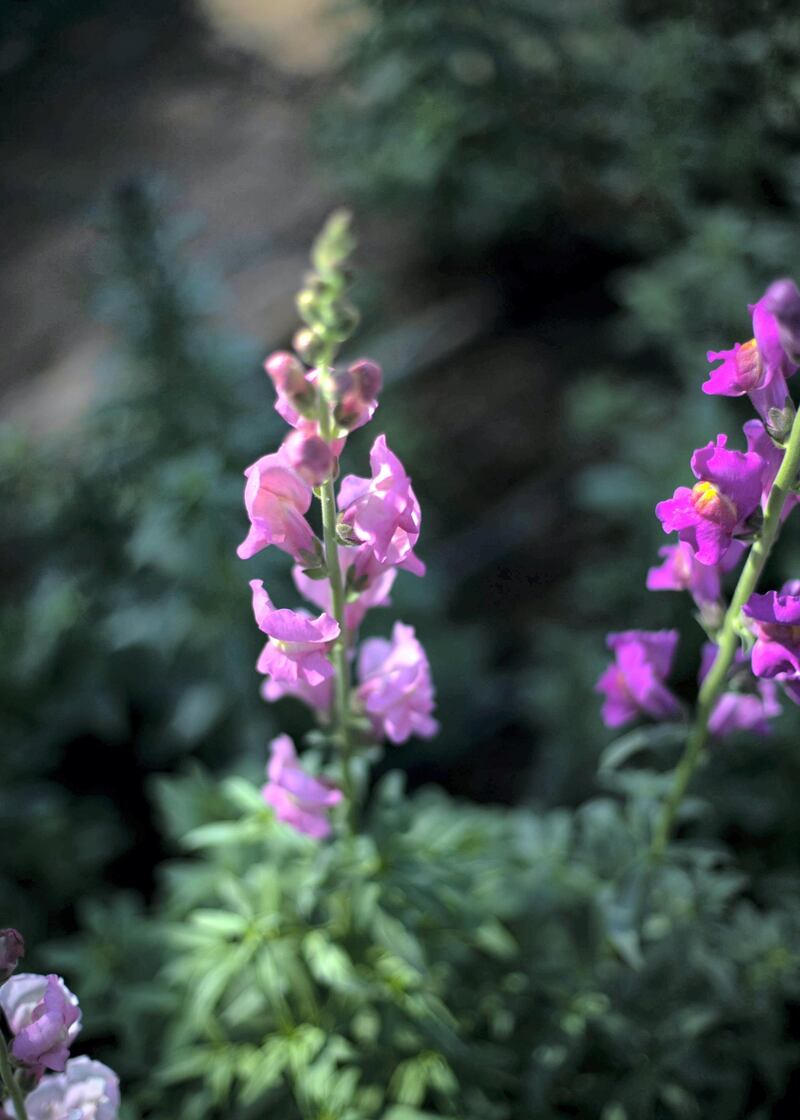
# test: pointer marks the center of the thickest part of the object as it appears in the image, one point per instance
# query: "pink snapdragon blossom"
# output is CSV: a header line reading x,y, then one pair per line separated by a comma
x,y
776,619
86,1090
310,456
396,690
297,643
298,799
758,367
357,390
782,299
708,516
44,1018
295,388
748,707
318,697
360,571
276,499
633,685
383,511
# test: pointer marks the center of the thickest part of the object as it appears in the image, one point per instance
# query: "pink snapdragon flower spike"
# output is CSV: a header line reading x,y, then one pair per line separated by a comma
x,y
749,707
297,643
633,685
717,508
298,798
361,572
776,621
681,571
383,512
86,1090
782,299
277,499
44,1018
758,368
396,690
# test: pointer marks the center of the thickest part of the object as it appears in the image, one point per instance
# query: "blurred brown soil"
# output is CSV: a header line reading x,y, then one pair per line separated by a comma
x,y
141,92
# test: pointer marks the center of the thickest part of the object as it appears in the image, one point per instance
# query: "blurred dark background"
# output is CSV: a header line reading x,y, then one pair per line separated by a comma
x,y
560,206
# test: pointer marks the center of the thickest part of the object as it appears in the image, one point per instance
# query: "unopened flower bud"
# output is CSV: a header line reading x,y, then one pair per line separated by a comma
x,y
779,422
12,949
309,345
782,299
368,378
310,456
287,373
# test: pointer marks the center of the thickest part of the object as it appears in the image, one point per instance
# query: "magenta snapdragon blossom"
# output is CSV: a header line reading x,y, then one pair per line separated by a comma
x,y
782,299
277,499
44,1018
396,689
748,707
298,798
708,516
776,619
681,571
633,685
758,368
383,512
86,1090
297,643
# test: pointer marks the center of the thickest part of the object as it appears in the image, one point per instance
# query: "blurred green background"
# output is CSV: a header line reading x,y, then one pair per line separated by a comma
x,y
562,204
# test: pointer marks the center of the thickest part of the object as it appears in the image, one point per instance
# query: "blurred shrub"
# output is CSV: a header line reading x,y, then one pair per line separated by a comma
x,y
569,139
119,622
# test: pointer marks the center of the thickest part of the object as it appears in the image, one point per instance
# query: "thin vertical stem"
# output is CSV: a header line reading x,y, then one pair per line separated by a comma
x,y
728,641
341,664
10,1082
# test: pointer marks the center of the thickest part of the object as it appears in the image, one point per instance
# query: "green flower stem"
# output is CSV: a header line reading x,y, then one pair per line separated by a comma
x,y
341,664
728,641
10,1082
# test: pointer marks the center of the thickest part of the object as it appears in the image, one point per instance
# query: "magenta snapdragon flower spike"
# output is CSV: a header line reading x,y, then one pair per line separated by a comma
x,y
396,689
633,685
383,511
297,643
776,619
86,1090
44,1018
750,707
708,516
277,499
758,368
298,798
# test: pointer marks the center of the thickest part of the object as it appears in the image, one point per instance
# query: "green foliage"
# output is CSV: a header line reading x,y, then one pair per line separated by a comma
x,y
119,622
452,961
491,121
